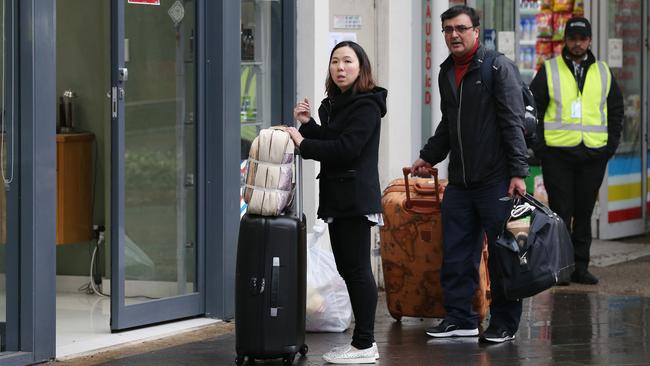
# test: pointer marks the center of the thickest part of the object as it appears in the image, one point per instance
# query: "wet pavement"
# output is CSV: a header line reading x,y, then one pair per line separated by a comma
x,y
558,327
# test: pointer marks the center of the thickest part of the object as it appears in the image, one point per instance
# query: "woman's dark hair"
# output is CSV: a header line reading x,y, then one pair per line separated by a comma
x,y
457,10
364,82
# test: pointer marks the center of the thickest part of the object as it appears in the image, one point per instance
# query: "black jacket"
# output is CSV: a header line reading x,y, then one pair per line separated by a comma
x,y
347,145
482,131
615,109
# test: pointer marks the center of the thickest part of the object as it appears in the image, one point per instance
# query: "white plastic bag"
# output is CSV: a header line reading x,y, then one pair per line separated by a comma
x,y
328,302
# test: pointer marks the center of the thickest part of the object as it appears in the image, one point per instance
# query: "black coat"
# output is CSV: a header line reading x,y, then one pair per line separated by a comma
x,y
482,131
615,108
347,146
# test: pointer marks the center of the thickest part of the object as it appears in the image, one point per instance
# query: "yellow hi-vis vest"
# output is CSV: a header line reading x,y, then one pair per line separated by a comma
x,y
573,116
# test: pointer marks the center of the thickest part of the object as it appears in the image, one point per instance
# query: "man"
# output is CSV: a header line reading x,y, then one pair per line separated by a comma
x,y
482,131
582,112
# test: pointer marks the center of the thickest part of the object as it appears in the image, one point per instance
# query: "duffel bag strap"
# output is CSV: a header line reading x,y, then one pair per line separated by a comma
x,y
533,201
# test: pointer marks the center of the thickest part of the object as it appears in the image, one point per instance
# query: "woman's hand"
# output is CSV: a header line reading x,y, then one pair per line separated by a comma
x,y
295,135
302,111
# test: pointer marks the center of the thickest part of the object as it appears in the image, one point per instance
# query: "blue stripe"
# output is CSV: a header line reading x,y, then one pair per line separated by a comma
x,y
622,165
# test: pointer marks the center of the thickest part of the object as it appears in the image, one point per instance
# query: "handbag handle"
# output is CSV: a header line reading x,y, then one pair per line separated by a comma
x,y
537,204
421,205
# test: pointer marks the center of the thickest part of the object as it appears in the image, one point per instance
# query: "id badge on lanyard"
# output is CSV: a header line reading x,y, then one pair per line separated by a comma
x,y
576,108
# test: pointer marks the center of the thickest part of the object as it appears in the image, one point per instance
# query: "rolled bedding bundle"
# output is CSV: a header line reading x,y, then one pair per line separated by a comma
x,y
270,173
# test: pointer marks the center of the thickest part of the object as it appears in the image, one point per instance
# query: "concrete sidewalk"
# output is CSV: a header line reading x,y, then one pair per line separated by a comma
x,y
606,324
608,252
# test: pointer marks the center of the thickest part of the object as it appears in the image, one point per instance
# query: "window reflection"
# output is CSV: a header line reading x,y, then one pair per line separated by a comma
x,y
261,71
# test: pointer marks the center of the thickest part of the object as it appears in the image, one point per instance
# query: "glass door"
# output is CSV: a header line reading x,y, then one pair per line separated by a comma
x,y
260,77
623,195
9,313
154,249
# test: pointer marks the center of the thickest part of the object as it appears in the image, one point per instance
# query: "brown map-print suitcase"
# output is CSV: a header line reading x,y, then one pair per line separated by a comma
x,y
411,250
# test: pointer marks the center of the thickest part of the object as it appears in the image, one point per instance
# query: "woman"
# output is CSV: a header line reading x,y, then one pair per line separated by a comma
x,y
347,145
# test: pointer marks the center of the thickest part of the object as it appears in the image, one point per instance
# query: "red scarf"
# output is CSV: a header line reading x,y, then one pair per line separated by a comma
x,y
461,64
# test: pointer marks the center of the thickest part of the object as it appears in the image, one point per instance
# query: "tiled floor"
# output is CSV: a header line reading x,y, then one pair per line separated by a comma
x,y
82,325
557,328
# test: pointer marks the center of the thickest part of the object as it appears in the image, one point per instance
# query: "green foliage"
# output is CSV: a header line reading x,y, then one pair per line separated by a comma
x,y
150,176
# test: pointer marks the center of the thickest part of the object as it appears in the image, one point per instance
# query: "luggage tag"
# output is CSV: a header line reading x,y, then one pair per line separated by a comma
x,y
576,109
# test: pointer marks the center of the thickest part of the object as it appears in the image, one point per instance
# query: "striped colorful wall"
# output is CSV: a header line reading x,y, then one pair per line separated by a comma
x,y
624,188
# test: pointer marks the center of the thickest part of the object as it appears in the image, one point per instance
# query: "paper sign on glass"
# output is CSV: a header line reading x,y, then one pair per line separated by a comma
x,y
145,2
615,52
506,44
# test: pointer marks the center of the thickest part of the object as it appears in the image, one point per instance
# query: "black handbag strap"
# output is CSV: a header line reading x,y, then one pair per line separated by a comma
x,y
533,201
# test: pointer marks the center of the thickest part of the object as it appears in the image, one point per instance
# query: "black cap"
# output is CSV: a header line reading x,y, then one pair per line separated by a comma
x,y
578,25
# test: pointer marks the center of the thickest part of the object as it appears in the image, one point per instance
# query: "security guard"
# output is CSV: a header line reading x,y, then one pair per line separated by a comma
x,y
581,107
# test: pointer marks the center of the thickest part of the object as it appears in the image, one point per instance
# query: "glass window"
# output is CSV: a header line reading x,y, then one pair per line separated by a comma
x,y
261,70
8,171
261,47
624,181
3,195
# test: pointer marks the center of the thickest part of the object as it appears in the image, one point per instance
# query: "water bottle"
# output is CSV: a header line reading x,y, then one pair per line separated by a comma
x,y
522,58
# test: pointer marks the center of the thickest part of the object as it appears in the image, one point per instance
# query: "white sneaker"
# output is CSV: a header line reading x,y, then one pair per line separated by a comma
x,y
340,349
351,355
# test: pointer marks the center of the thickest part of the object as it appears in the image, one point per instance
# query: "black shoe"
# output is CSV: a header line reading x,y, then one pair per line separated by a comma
x,y
448,329
562,283
496,335
583,277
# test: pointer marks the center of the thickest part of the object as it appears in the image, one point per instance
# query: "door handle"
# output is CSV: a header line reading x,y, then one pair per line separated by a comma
x,y
123,74
114,102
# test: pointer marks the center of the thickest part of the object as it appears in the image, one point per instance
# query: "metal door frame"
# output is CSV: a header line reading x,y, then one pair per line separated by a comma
x,y
33,224
155,311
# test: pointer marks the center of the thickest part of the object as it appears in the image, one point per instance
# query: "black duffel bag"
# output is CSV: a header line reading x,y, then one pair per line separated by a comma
x,y
535,264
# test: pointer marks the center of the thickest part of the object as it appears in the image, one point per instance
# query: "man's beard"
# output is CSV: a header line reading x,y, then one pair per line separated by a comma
x,y
576,55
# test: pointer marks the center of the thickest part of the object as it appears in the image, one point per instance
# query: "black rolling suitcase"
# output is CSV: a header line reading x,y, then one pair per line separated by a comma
x,y
270,285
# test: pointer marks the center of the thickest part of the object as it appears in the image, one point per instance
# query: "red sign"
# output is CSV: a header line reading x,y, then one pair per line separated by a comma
x,y
427,54
145,2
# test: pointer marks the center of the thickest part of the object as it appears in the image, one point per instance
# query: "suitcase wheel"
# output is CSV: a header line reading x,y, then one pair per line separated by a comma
x,y
239,360
303,350
288,359
396,316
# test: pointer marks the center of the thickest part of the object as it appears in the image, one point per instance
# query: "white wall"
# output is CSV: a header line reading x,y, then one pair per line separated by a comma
x,y
391,33
312,26
439,53
395,69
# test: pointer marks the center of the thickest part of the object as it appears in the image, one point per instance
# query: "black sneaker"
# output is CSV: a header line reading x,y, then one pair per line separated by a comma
x,y
583,277
448,329
499,335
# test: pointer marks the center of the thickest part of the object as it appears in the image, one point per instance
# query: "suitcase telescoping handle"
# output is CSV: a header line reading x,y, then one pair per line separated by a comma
x,y
416,204
298,197
298,190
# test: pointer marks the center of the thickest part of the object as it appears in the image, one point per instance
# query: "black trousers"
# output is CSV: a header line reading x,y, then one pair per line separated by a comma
x,y
572,187
468,215
350,239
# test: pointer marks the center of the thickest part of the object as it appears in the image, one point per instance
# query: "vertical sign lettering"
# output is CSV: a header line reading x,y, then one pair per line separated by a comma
x,y
427,70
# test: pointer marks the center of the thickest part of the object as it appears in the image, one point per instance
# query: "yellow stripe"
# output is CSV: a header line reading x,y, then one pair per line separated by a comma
x,y
624,191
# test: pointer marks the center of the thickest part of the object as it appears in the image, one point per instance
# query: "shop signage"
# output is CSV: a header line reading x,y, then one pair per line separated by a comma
x,y
145,2
347,21
615,52
176,12
427,53
427,69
